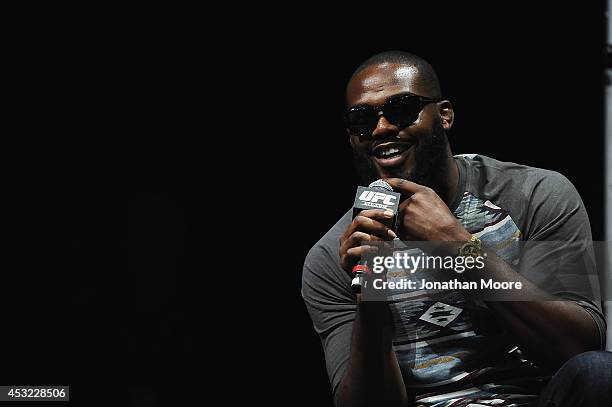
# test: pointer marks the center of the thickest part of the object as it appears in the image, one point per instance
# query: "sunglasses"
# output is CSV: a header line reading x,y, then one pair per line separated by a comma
x,y
401,111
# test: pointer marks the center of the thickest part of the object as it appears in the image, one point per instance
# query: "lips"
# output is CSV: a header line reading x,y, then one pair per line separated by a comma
x,y
391,154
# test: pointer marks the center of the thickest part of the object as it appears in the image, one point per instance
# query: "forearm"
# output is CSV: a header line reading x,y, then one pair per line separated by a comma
x,y
550,330
373,377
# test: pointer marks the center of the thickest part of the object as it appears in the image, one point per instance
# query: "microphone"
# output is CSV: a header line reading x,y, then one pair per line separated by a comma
x,y
378,195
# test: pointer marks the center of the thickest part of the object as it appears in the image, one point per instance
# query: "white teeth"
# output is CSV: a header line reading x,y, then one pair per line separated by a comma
x,y
390,151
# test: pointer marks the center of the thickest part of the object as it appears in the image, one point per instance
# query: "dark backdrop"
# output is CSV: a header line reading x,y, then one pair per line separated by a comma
x,y
165,171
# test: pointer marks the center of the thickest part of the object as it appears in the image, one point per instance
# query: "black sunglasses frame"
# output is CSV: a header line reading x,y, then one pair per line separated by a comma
x,y
374,113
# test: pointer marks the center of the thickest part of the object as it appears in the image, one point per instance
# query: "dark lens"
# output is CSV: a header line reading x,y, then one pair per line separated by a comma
x,y
403,112
361,121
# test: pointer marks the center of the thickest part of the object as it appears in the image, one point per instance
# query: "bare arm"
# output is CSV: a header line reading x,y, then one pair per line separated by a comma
x,y
373,377
550,331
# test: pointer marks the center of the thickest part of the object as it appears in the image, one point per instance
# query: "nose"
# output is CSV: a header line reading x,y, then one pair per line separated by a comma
x,y
384,128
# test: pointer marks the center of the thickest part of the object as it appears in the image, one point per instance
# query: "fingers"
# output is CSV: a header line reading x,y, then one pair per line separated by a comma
x,y
377,214
370,221
404,186
354,254
356,240
366,227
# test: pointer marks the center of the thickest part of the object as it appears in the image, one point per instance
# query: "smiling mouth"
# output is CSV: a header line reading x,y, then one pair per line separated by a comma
x,y
391,154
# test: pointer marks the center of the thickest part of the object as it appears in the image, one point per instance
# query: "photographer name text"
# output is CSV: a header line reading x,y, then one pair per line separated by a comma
x,y
423,284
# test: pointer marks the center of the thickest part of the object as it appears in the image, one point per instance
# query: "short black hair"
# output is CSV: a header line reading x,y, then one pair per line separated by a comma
x,y
426,71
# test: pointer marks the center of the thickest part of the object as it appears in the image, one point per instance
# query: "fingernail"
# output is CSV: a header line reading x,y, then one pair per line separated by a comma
x,y
392,234
388,213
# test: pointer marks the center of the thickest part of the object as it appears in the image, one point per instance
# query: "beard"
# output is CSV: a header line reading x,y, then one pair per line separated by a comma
x,y
431,162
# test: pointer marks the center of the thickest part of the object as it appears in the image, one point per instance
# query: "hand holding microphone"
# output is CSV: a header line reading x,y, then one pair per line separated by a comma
x,y
374,218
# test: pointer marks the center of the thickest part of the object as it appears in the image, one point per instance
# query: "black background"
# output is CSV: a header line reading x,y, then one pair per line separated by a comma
x,y
168,178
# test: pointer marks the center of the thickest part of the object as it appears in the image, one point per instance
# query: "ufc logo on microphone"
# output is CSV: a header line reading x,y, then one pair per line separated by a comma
x,y
371,196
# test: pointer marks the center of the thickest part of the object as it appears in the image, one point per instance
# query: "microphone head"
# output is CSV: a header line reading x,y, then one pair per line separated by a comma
x,y
380,184
378,195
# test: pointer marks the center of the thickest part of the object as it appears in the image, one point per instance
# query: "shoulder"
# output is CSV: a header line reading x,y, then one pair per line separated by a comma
x,y
329,244
535,197
521,174
322,263
492,177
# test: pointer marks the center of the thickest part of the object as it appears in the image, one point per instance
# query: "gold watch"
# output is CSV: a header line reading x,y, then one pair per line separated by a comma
x,y
472,247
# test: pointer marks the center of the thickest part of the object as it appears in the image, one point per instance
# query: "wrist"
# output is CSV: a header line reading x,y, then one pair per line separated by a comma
x,y
461,235
450,245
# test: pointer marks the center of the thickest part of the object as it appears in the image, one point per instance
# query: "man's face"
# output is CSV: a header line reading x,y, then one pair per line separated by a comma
x,y
417,152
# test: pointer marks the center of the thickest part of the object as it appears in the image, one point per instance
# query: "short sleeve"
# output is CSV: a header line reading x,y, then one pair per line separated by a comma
x,y
331,305
559,255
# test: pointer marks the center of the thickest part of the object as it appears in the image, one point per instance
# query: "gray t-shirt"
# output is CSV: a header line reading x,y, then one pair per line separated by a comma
x,y
499,202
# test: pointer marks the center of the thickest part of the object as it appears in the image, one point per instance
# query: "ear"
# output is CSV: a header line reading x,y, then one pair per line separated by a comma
x,y
447,114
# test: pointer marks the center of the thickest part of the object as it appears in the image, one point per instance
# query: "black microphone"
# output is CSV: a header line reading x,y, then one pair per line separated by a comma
x,y
378,195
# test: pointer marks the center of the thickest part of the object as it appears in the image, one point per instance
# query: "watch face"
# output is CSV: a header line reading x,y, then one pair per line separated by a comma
x,y
471,248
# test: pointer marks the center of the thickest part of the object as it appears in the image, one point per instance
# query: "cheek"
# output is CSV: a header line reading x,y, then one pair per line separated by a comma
x,y
424,123
427,118
424,126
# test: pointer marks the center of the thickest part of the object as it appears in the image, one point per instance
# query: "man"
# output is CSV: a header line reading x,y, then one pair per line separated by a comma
x,y
490,352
